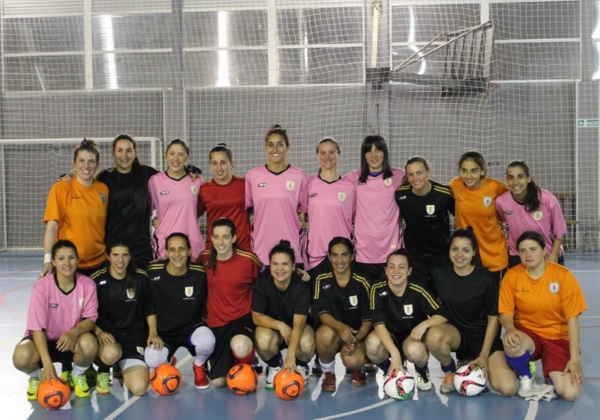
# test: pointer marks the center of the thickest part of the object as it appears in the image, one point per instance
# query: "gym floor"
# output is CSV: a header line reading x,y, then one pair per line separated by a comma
x,y
18,272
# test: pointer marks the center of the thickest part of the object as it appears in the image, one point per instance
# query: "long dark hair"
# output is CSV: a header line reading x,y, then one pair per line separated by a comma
x,y
467,233
283,247
223,221
380,144
221,147
130,271
277,129
186,240
60,244
476,157
410,161
532,194
141,196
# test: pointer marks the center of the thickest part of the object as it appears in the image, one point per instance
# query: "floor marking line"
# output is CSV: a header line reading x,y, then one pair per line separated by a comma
x,y
532,411
360,410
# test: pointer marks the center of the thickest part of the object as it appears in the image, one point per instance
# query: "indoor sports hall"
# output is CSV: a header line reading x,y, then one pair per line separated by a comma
x,y
513,79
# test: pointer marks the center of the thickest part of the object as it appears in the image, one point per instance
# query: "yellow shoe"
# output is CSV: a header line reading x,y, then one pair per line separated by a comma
x,y
67,376
82,389
34,384
103,383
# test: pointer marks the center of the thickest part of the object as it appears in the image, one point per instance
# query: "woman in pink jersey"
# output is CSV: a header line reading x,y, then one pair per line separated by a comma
x,y
224,196
276,194
527,207
376,227
474,198
174,197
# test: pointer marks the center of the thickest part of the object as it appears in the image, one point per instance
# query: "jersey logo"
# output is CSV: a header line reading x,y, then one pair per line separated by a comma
x,y
384,293
508,212
387,182
342,196
103,198
53,305
262,185
165,192
554,287
537,215
290,185
189,291
130,293
155,278
408,309
403,198
81,302
194,189
487,201
326,286
430,209
354,300
102,283
313,195
140,350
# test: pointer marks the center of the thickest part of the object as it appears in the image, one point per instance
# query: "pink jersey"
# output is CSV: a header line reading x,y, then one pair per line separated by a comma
x,y
376,226
57,312
175,202
331,210
547,220
276,199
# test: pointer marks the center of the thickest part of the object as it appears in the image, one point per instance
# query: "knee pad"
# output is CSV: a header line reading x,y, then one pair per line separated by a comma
x,y
203,340
154,357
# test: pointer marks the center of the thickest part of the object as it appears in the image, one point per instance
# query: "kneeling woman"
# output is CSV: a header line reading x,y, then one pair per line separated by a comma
x,y
547,324
230,274
62,312
280,305
400,309
469,301
126,320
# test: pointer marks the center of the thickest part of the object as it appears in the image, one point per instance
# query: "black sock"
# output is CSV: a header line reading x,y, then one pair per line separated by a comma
x,y
274,361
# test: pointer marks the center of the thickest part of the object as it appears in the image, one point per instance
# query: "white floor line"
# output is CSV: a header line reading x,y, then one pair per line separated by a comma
x,y
532,410
360,410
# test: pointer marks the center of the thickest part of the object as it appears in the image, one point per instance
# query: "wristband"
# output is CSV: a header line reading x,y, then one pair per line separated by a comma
x,y
47,257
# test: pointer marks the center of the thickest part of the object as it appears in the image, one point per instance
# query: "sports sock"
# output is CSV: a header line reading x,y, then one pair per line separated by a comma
x,y
520,364
450,367
274,361
328,367
385,365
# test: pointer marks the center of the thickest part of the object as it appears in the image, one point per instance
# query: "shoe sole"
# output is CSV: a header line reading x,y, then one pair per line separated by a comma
x,y
328,389
201,386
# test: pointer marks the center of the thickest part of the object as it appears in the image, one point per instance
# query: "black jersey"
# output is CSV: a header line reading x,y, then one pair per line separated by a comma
x,y
121,310
349,304
123,220
466,301
401,314
281,305
180,301
427,219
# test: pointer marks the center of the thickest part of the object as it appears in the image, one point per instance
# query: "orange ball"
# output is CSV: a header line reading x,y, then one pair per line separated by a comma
x,y
288,384
165,379
242,379
53,393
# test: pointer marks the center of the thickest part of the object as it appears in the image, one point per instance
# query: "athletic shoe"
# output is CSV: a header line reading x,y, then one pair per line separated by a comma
x,y
359,378
329,382
316,368
304,371
82,389
34,384
370,367
200,379
67,376
423,382
525,385
103,383
90,375
271,372
447,386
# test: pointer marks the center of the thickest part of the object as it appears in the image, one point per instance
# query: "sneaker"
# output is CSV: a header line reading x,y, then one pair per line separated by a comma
x,y
423,382
67,376
90,375
82,389
329,382
103,383
304,371
34,384
359,378
271,372
447,386
200,379
525,385
370,367
316,368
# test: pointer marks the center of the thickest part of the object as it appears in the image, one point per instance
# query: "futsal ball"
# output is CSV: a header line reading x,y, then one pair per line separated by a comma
x,y
469,380
288,384
400,386
242,379
53,393
165,379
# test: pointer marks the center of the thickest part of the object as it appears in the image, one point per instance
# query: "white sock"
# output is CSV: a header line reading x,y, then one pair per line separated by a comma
x,y
328,367
35,374
79,370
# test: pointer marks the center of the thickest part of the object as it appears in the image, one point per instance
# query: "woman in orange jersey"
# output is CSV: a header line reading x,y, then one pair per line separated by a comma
x,y
474,202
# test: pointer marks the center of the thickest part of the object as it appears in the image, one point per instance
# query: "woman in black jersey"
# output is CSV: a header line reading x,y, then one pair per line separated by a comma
x,y
126,320
469,301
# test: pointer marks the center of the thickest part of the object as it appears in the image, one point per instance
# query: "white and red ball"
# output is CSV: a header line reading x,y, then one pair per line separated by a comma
x,y
469,380
400,386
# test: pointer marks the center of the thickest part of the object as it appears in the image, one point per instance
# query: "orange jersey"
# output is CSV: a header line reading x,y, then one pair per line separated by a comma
x,y
81,215
477,208
542,305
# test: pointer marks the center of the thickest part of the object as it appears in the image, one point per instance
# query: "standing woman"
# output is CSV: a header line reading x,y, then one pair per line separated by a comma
x,y
224,196
62,312
174,197
276,194
469,302
540,305
76,211
376,227
331,205
474,197
129,204
426,207
527,207
126,320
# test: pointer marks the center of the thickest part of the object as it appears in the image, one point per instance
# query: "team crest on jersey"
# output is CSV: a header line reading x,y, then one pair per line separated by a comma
x,y
387,182
487,201
81,302
189,291
342,196
408,309
53,305
103,198
140,350
354,300
262,185
430,209
554,287
194,189
290,185
537,215
130,293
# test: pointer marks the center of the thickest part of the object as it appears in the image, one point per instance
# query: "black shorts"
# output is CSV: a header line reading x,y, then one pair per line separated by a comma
x,y
422,268
221,359
372,272
132,344
184,339
470,346
65,358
